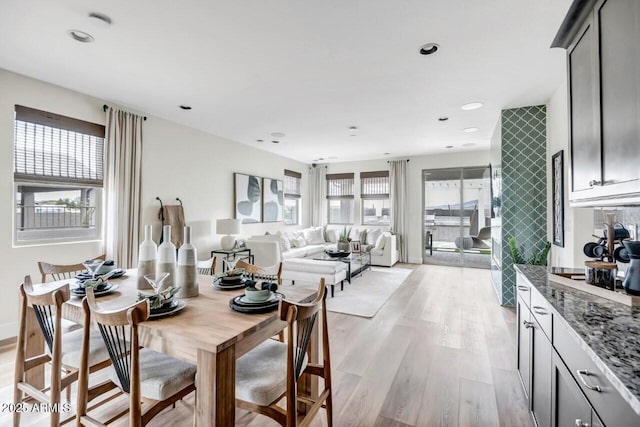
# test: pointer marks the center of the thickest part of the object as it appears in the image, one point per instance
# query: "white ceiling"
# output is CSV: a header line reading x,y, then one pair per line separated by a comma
x,y
309,69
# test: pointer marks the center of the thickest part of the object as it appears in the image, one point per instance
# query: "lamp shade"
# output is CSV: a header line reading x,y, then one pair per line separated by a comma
x,y
228,226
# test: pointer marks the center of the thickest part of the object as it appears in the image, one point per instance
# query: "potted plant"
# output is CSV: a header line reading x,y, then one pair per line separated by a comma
x,y
344,239
536,258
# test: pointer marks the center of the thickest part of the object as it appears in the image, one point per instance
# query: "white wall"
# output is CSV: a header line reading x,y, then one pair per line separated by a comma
x,y
414,181
578,222
177,162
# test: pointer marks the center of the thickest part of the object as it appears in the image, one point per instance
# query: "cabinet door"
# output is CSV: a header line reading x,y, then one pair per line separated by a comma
x,y
569,406
540,376
524,345
584,111
618,25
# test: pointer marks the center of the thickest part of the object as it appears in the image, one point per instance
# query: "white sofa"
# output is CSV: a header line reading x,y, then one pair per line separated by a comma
x,y
267,249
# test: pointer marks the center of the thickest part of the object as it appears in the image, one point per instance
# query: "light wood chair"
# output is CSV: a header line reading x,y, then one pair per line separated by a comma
x,y
207,267
61,349
271,371
273,273
148,377
61,272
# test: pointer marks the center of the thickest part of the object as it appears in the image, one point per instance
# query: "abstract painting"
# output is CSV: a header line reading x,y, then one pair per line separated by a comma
x,y
272,200
247,198
557,186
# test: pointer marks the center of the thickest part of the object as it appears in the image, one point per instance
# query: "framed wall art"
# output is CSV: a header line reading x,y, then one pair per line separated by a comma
x,y
247,198
557,188
272,200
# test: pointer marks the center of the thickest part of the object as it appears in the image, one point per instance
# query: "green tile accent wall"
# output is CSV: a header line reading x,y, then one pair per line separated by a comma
x,y
524,188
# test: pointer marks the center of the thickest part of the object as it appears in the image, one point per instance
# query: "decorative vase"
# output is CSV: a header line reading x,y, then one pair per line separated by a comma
x,y
343,246
187,271
632,277
147,254
167,258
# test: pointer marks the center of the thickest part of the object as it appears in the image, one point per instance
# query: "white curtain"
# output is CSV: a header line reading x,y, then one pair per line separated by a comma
x,y
318,195
122,184
399,200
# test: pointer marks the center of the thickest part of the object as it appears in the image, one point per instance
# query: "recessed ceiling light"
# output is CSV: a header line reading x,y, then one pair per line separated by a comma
x,y
185,107
276,142
81,36
353,128
429,48
386,154
259,140
471,130
443,119
472,106
449,146
277,134
469,144
100,19
320,158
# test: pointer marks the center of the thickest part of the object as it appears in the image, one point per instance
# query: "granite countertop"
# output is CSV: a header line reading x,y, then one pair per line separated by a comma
x,y
610,331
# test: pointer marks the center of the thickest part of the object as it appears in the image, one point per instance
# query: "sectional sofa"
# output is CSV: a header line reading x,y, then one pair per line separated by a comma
x,y
311,242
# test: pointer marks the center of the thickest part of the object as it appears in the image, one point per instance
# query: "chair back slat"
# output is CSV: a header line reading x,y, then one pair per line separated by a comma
x,y
207,267
118,344
45,306
60,271
258,273
303,339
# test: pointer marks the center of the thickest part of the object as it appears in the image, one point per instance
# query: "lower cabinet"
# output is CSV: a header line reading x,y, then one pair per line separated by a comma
x,y
569,406
540,398
524,345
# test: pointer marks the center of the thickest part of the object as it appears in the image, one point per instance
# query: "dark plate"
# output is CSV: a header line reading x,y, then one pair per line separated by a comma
x,y
236,304
338,254
118,272
165,308
103,289
233,285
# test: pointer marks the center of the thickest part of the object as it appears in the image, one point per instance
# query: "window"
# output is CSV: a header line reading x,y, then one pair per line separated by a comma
x,y
292,197
375,198
340,198
58,174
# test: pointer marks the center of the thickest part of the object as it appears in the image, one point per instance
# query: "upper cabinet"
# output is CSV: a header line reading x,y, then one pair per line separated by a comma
x,y
603,63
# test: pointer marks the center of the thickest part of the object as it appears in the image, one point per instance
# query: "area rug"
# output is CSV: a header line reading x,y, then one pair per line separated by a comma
x,y
367,293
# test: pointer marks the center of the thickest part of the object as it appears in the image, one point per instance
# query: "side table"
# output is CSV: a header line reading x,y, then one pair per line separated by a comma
x,y
233,254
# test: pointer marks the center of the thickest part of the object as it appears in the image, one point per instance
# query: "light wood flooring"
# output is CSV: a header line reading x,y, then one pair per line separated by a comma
x,y
441,352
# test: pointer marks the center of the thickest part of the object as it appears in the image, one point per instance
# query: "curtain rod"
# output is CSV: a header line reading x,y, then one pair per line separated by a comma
x,y
388,161
105,106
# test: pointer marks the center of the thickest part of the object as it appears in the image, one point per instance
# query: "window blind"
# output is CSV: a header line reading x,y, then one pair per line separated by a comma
x,y
374,185
340,186
57,149
292,184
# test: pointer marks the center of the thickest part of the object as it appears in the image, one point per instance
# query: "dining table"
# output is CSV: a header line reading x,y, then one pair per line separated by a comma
x,y
207,333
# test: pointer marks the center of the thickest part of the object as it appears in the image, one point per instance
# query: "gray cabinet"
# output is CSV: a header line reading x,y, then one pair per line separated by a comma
x,y
540,376
603,64
524,344
569,406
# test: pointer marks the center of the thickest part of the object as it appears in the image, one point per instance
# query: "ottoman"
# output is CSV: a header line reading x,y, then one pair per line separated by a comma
x,y
333,272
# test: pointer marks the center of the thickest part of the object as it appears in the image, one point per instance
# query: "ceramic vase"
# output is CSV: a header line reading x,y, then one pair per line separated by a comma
x,y
187,271
147,255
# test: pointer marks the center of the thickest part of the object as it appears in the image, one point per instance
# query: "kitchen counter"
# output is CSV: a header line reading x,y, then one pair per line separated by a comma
x,y
608,332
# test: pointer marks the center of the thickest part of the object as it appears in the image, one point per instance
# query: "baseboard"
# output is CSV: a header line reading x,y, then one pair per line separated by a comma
x,y
416,260
8,330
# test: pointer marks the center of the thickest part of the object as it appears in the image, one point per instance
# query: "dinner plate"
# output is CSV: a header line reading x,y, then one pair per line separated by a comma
x,y
274,297
118,272
219,284
181,304
165,308
80,292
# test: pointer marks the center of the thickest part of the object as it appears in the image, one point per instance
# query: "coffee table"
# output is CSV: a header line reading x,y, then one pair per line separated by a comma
x,y
357,262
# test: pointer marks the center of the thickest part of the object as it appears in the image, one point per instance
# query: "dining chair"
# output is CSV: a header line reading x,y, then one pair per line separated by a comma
x,y
207,267
148,377
61,271
62,350
271,370
273,273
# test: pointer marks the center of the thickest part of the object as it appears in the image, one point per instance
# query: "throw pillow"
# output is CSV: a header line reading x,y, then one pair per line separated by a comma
x,y
285,245
355,234
363,236
332,237
315,236
372,236
299,242
382,238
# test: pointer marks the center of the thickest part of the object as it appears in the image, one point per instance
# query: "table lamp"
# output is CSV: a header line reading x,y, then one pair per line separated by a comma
x,y
228,227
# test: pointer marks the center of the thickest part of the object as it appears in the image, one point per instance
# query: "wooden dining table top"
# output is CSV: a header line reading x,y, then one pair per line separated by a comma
x,y
207,321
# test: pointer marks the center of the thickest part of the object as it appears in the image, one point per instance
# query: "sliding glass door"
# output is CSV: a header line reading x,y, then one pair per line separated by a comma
x,y
457,216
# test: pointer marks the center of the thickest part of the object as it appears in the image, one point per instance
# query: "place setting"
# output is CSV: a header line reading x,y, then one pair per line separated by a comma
x,y
256,300
98,277
162,302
